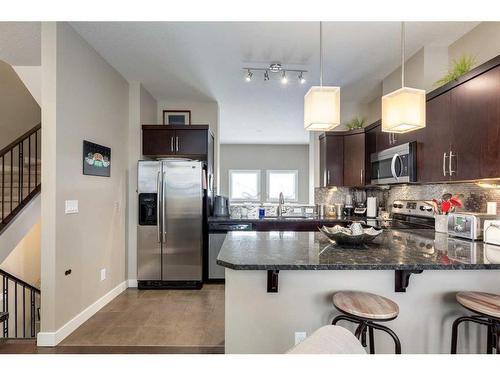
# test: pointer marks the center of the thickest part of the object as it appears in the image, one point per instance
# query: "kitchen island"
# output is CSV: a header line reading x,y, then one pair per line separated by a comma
x,y
279,283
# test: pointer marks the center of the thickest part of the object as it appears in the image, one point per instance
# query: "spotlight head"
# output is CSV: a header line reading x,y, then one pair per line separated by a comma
x,y
248,76
284,80
302,80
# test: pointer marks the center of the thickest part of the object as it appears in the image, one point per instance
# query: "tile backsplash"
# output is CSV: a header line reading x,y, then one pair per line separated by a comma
x,y
475,195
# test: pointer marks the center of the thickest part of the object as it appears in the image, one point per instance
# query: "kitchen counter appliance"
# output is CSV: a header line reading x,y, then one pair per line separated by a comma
x,y
468,225
216,235
170,230
395,165
221,206
491,232
411,214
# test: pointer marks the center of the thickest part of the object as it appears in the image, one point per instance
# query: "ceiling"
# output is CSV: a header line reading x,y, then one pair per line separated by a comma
x,y
202,61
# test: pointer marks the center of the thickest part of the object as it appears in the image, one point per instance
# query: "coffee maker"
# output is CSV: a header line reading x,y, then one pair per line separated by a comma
x,y
360,203
348,208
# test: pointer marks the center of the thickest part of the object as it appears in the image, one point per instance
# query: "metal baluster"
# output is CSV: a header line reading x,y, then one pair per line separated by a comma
x,y
36,158
24,311
3,186
15,309
29,164
32,313
11,176
6,305
21,177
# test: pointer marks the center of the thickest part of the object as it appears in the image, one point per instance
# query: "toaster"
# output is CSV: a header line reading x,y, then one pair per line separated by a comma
x,y
491,232
468,225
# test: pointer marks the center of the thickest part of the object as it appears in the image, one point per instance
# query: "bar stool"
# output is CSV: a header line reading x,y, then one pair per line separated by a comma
x,y
487,308
364,309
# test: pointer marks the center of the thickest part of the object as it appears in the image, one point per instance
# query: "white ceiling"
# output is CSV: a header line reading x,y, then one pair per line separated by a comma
x,y
202,61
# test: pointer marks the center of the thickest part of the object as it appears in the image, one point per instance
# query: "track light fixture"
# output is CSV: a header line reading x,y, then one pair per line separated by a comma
x,y
276,68
284,80
302,80
248,76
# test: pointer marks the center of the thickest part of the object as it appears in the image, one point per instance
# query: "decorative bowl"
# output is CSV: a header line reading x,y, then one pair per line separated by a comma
x,y
343,236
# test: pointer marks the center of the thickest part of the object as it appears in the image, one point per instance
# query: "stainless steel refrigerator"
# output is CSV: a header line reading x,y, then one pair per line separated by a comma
x,y
170,230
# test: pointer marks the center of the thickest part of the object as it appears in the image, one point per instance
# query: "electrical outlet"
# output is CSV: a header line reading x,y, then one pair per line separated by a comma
x,y
103,274
299,337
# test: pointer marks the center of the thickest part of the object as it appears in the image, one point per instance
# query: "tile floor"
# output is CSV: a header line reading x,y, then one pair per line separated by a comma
x,y
189,319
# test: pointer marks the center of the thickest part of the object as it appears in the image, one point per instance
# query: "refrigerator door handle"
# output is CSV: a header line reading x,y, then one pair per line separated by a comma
x,y
158,205
163,209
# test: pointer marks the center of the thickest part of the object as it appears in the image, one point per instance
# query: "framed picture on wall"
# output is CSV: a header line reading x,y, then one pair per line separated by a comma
x,y
96,159
176,117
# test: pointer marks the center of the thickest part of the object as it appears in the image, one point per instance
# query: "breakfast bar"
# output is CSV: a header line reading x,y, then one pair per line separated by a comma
x,y
280,283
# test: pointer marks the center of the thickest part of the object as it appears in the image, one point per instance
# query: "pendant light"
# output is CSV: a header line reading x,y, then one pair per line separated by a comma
x,y
321,103
403,110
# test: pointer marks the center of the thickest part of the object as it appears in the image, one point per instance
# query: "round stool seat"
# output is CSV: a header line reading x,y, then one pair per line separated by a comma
x,y
365,305
483,303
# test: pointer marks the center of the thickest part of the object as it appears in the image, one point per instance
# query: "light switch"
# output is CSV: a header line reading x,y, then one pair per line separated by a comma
x,y
71,207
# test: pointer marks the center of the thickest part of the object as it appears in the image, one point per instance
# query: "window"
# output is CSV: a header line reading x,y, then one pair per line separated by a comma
x,y
244,185
285,182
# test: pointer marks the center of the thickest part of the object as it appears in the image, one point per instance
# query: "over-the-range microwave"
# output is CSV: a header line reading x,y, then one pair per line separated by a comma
x,y
394,165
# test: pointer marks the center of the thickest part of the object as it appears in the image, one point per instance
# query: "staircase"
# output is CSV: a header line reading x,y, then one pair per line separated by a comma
x,y
20,182
20,174
19,308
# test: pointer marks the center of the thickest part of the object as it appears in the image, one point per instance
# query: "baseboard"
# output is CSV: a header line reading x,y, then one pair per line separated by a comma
x,y
54,338
132,283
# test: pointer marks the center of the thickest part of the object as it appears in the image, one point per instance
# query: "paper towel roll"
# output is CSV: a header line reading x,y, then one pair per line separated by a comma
x,y
371,207
491,208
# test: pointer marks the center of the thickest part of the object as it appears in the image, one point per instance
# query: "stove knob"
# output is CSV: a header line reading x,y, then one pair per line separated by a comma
x,y
395,205
422,208
400,206
429,209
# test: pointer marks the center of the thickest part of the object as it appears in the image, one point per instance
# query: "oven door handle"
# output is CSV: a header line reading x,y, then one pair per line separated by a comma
x,y
393,166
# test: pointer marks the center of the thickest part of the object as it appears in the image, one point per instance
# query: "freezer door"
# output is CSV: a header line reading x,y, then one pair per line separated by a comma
x,y
182,228
148,236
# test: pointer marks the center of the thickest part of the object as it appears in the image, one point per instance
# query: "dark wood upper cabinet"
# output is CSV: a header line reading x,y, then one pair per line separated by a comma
x,y
331,160
475,130
169,140
158,142
354,160
433,141
191,142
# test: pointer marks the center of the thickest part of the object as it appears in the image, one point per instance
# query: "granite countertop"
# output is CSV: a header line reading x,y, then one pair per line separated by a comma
x,y
417,249
284,219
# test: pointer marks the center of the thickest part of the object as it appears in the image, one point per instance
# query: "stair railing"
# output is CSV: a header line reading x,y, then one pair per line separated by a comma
x,y
22,302
20,169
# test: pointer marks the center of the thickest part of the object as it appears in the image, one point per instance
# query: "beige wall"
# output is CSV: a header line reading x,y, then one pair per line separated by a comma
x,y
24,261
266,157
142,110
84,98
483,42
19,112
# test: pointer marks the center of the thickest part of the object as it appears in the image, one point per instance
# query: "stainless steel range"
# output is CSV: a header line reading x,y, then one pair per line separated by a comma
x,y
411,214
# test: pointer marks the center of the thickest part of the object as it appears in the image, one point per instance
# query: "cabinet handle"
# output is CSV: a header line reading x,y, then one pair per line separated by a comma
x,y
328,177
394,139
361,177
444,164
176,144
171,144
390,138
449,163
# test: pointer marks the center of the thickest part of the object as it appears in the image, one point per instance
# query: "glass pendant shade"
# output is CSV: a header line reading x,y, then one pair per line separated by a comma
x,y
322,108
403,110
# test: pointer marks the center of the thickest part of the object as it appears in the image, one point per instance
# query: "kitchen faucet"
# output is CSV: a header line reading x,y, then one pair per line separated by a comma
x,y
281,202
